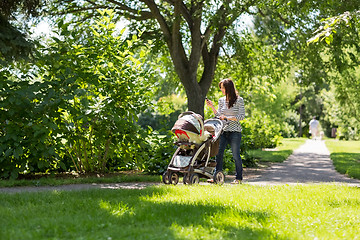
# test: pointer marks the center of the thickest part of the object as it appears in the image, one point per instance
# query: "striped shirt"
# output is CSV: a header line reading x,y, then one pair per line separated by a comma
x,y
237,111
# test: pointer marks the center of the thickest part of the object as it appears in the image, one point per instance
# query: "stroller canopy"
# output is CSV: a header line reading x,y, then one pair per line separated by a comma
x,y
189,128
189,121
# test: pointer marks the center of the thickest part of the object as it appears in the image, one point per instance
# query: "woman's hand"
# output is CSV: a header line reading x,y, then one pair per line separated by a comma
x,y
209,103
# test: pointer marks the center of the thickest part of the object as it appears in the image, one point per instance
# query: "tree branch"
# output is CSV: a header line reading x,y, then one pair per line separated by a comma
x,y
160,19
184,11
126,11
144,15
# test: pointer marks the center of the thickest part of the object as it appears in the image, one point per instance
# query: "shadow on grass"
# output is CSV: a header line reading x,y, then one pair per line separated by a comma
x,y
160,218
151,213
347,163
355,203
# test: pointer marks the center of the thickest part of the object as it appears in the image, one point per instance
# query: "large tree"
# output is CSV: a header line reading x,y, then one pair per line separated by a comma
x,y
14,43
193,32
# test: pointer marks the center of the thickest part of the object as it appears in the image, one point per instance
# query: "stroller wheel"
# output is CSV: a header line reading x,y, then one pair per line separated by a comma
x,y
194,178
166,177
186,178
174,179
219,177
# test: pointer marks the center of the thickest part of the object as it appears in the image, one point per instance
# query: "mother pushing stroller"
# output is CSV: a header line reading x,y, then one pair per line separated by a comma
x,y
231,108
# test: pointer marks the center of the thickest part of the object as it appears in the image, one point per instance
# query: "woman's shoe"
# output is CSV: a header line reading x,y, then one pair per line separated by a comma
x,y
236,181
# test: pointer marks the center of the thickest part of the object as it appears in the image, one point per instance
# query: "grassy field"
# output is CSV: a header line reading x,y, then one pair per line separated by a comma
x,y
185,212
345,156
280,153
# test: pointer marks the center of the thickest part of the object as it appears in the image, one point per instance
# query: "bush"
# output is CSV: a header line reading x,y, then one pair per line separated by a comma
x,y
81,103
160,151
259,131
28,127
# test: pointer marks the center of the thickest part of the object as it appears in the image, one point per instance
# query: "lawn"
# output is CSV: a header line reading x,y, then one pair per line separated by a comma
x,y
280,153
185,212
345,156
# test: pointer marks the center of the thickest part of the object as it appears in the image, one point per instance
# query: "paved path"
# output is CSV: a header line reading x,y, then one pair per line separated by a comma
x,y
310,163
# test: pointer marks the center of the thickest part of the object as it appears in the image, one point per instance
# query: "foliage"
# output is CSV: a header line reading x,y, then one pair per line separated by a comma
x,y
109,93
258,56
91,88
163,114
339,117
260,131
192,32
28,126
341,33
14,43
328,29
184,212
159,153
289,26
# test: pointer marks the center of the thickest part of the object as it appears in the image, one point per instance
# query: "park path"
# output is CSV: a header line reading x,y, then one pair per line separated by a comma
x,y
310,163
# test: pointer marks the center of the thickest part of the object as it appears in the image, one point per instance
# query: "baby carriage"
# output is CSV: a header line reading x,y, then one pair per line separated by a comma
x,y
197,143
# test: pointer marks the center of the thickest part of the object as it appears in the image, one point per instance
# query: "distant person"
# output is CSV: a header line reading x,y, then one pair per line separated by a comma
x,y
231,108
314,128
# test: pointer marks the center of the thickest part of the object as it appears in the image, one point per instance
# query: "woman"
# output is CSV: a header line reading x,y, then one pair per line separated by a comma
x,y
231,108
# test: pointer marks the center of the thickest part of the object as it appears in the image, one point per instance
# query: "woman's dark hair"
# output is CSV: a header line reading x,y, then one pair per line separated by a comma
x,y
230,92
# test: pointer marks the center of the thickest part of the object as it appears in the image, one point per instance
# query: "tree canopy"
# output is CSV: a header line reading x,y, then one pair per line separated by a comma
x,y
14,43
193,32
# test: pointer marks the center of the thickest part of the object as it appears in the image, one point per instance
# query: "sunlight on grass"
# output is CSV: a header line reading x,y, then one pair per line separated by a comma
x,y
263,211
116,210
343,146
185,212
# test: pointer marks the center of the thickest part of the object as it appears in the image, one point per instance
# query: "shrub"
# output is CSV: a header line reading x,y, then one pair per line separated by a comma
x,y
89,89
160,151
260,131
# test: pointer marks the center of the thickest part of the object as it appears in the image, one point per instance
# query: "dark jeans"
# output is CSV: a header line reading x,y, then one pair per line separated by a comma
x,y
234,139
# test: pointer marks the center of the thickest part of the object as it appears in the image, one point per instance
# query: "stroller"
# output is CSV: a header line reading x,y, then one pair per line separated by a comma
x,y
197,142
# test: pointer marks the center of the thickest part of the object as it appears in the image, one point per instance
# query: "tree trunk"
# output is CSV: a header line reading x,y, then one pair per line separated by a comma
x,y
196,99
195,89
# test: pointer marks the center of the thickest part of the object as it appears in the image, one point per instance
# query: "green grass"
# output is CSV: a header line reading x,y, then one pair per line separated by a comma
x,y
345,156
55,181
185,212
280,153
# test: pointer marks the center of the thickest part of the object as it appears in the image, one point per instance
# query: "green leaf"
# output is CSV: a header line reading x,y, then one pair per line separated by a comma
x,y
18,152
